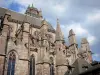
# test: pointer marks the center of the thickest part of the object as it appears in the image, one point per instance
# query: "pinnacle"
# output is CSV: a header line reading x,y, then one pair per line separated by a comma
x,y
71,32
59,34
84,40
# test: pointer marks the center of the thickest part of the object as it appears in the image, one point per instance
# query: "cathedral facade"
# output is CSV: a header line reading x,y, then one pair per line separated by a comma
x,y
29,45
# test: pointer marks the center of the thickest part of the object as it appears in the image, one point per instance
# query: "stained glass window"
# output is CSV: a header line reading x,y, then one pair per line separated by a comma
x,y
32,65
11,64
51,67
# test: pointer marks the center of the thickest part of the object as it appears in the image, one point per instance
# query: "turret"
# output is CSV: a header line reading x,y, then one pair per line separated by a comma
x,y
72,46
85,44
72,38
85,47
32,11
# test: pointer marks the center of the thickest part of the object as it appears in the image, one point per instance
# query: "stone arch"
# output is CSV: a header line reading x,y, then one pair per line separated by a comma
x,y
11,62
13,52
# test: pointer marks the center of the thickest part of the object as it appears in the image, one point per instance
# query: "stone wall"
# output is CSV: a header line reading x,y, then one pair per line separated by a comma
x,y
1,64
21,67
61,70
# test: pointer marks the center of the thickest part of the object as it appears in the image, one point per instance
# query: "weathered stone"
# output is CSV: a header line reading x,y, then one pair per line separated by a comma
x,y
29,35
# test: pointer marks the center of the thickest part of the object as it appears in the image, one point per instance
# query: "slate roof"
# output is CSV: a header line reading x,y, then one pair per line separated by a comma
x,y
93,68
78,66
22,17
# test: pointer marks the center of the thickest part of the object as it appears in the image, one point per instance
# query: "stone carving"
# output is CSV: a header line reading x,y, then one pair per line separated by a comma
x,y
42,40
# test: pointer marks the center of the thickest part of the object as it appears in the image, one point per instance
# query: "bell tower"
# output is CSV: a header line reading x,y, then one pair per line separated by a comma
x,y
34,12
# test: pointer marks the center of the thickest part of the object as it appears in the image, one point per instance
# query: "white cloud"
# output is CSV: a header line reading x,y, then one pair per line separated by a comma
x,y
59,9
24,2
79,31
22,10
77,28
51,7
91,39
94,17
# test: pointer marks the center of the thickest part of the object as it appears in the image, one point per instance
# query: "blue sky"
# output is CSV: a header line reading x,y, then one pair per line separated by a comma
x,y
83,16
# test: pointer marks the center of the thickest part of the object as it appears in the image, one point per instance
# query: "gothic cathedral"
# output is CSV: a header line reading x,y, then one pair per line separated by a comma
x,y
29,45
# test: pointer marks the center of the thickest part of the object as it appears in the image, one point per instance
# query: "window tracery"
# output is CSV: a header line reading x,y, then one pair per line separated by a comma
x,y
11,64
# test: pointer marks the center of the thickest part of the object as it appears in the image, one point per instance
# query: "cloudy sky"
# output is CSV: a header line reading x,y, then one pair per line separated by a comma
x,y
83,16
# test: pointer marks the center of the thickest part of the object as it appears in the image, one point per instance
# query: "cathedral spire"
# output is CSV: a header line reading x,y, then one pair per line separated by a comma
x,y
59,34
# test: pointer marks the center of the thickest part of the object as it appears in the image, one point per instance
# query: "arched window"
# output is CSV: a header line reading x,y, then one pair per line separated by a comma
x,y
32,65
51,67
11,64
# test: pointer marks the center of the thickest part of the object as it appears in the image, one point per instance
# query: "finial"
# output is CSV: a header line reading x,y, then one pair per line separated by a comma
x,y
32,5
